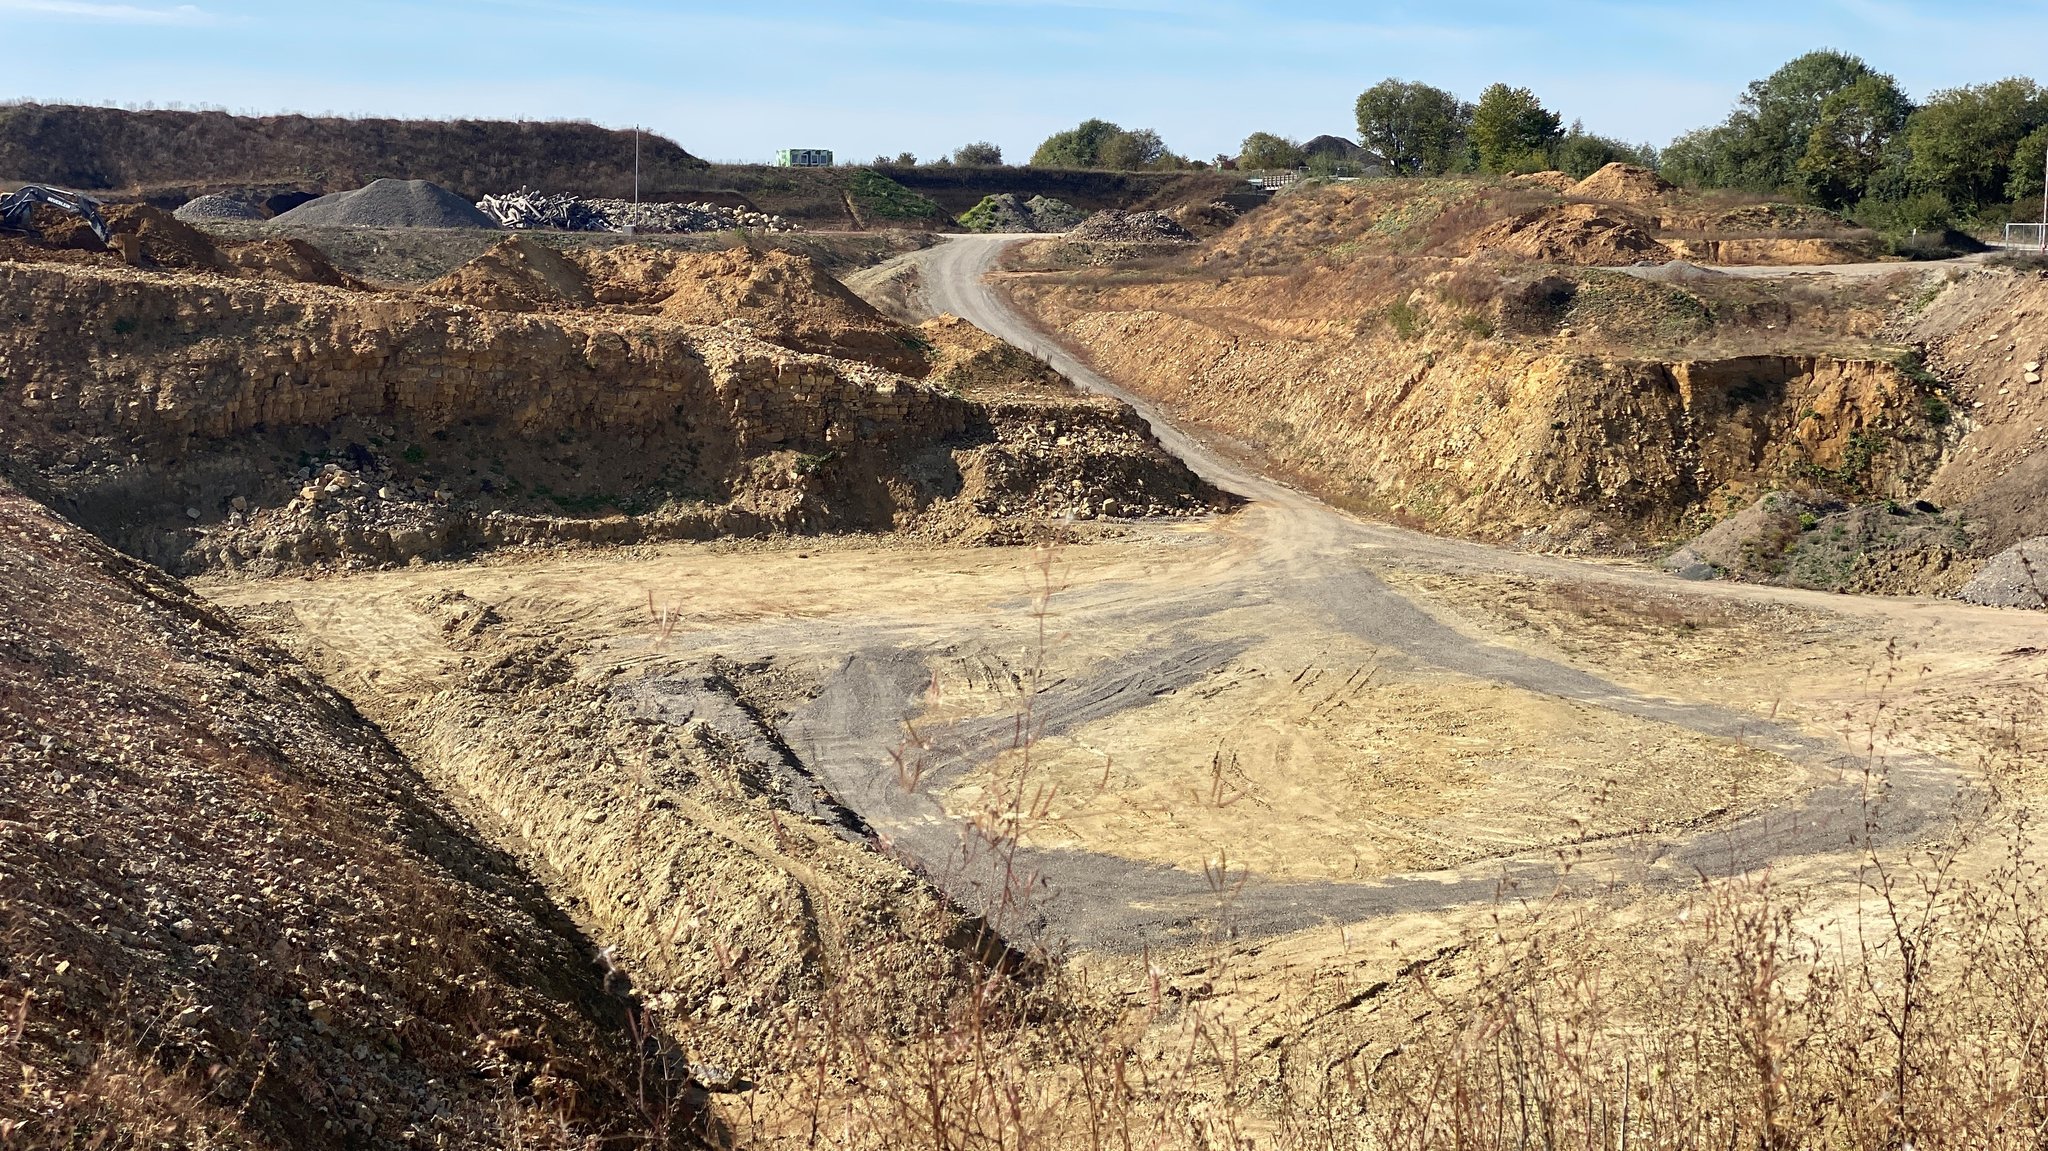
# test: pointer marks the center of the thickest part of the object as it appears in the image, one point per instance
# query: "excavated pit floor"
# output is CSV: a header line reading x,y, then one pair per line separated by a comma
x,y
1271,720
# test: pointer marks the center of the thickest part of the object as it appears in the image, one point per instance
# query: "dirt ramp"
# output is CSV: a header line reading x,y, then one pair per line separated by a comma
x,y
235,917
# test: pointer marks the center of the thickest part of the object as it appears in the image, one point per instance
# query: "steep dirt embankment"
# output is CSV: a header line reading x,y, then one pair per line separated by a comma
x,y
1986,332
1421,418
232,916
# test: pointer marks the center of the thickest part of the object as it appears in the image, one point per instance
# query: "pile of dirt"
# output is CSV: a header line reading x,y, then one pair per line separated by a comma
x,y
1009,212
1623,184
1555,181
150,238
1580,234
217,207
2015,577
389,204
1119,227
519,274
1779,251
234,916
781,297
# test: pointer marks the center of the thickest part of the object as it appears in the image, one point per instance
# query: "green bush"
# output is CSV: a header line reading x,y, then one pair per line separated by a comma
x,y
1406,319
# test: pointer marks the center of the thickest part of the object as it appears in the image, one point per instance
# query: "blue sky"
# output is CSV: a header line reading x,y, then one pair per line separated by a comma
x,y
735,81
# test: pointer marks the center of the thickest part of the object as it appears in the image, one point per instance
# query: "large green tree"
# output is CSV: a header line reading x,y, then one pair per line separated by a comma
x,y
1847,146
1264,151
1962,142
1101,144
1512,130
1078,147
1760,145
1416,129
1580,153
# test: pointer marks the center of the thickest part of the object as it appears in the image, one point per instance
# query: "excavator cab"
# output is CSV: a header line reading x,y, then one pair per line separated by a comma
x,y
17,210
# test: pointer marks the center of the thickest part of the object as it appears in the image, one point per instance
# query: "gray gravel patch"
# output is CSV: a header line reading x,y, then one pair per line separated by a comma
x,y
207,208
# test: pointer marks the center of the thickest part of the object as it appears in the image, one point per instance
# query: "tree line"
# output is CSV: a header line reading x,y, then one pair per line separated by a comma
x,y
1825,128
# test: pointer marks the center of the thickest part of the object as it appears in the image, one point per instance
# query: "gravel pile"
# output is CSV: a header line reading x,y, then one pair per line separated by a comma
x,y
217,208
1119,227
2015,577
389,204
526,209
1008,212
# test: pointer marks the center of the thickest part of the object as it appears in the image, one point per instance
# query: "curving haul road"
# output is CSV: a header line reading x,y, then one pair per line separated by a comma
x,y
1290,551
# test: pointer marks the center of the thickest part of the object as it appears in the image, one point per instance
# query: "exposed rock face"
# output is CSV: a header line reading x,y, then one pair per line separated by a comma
x,y
137,397
1497,439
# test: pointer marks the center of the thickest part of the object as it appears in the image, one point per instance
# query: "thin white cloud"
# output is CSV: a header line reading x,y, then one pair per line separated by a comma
x,y
108,13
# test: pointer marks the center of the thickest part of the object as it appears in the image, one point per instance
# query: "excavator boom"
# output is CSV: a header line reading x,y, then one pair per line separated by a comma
x,y
17,210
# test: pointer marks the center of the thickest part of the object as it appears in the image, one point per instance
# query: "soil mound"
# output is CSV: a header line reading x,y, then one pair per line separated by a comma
x,y
1119,227
2015,577
1009,212
295,261
1623,184
1555,181
1582,234
782,297
389,204
520,274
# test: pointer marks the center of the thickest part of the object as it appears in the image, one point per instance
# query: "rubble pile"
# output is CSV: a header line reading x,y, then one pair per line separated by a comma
x,y
527,209
1118,227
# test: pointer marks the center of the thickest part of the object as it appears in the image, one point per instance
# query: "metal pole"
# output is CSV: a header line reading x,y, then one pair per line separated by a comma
x,y
636,170
2044,202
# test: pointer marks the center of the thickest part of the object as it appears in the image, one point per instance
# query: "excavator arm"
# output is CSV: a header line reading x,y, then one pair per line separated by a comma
x,y
17,209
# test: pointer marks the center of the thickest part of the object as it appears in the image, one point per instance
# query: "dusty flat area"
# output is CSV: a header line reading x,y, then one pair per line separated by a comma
x,y
1309,717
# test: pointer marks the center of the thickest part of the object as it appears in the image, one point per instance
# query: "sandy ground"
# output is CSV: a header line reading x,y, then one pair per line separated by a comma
x,y
1312,719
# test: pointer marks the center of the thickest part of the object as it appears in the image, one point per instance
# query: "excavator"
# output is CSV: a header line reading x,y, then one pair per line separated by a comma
x,y
17,210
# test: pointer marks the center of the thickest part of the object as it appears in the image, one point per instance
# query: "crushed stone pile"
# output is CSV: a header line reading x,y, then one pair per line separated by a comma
x,y
217,208
527,209
1008,212
389,204
2015,577
1120,227
1581,234
1623,184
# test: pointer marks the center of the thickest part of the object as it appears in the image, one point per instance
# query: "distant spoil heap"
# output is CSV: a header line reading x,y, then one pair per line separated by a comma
x,y
527,209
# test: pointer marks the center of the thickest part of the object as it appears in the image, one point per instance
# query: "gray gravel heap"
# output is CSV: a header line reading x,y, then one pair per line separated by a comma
x,y
2015,577
527,208
217,208
1119,227
389,204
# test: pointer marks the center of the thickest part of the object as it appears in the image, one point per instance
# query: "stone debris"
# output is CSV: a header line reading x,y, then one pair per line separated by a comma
x,y
2015,577
1120,227
528,209
217,208
1009,212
